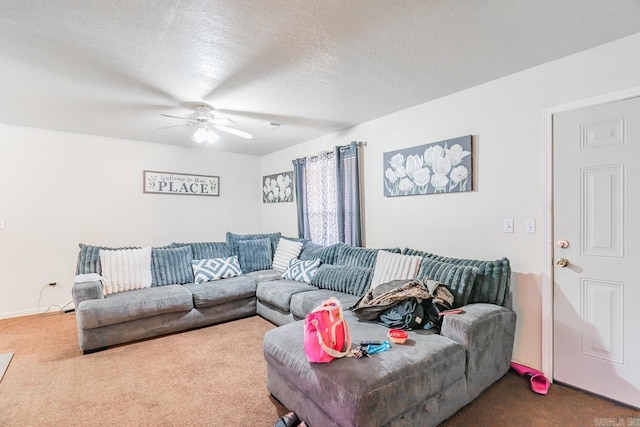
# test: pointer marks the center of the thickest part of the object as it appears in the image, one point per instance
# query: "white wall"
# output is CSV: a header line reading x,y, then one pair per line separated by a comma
x,y
60,189
506,117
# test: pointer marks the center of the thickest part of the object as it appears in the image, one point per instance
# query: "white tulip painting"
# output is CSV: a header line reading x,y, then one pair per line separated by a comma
x,y
277,188
439,167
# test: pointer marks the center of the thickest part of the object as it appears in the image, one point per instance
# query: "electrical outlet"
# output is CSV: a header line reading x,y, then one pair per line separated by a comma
x,y
507,226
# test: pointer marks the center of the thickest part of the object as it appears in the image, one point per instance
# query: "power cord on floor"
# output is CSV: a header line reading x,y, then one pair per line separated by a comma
x,y
52,306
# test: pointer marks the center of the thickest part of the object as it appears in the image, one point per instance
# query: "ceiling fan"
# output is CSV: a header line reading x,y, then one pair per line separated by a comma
x,y
206,122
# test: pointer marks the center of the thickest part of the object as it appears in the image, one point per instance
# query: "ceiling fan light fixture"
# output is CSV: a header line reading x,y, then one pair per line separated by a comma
x,y
200,135
212,136
204,134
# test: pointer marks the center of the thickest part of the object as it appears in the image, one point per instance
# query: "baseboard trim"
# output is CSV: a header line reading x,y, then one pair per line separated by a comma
x,y
12,314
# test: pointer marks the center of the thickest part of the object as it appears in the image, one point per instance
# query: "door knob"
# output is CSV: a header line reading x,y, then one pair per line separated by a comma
x,y
562,262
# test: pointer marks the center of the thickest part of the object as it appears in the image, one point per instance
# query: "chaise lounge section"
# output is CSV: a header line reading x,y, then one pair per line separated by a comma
x,y
419,383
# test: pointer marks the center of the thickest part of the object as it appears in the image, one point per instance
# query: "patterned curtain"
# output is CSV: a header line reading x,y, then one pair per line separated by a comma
x,y
328,196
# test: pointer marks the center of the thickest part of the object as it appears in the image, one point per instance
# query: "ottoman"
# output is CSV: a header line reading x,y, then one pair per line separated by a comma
x,y
419,383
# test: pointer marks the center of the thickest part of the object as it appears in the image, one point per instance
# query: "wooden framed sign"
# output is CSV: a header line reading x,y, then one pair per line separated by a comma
x,y
180,183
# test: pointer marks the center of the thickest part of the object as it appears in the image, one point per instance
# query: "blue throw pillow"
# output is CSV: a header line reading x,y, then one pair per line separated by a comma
x,y
458,278
207,270
206,250
255,255
301,271
326,254
354,256
344,278
171,266
233,240
89,258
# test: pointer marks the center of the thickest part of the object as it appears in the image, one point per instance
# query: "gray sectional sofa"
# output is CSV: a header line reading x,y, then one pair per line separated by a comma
x,y
420,383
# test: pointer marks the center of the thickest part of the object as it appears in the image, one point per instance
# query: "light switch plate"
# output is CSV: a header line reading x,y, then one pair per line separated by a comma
x,y
530,226
507,226
1,224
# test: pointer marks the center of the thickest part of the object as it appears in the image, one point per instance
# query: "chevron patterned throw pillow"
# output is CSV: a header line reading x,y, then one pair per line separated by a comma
x,y
206,270
301,271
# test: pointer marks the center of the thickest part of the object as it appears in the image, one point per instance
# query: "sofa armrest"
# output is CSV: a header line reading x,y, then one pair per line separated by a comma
x,y
487,332
86,291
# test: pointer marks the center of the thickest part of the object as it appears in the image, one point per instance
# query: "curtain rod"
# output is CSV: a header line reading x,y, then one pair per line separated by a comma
x,y
340,147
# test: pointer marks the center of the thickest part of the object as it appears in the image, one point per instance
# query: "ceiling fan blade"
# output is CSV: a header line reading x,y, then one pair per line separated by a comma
x,y
174,126
236,132
176,117
287,120
222,121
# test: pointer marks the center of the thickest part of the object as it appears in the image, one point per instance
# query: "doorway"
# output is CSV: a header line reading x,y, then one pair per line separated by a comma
x,y
593,242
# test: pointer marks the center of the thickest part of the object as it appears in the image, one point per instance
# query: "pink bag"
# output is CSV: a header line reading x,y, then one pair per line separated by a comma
x,y
326,333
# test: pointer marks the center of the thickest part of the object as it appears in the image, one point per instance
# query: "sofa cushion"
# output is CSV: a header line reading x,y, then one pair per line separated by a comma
x,y
278,293
218,292
458,278
326,254
285,252
360,257
207,270
126,269
89,258
233,239
417,252
343,278
206,250
264,275
491,284
301,271
123,307
255,255
304,302
390,266
171,266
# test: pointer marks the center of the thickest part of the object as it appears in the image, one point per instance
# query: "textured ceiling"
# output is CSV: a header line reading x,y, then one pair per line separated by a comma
x,y
112,67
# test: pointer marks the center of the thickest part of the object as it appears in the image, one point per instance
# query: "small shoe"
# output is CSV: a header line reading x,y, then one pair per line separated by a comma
x,y
539,384
524,370
287,420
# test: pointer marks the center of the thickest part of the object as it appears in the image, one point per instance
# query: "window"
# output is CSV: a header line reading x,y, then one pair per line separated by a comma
x,y
328,196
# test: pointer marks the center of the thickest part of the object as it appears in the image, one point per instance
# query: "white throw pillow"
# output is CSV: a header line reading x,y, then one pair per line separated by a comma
x,y
285,252
125,269
394,267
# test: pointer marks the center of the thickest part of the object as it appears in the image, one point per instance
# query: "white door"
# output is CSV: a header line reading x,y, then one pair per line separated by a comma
x,y
596,327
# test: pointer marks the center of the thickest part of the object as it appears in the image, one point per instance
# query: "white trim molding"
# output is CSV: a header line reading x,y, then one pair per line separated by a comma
x,y
548,251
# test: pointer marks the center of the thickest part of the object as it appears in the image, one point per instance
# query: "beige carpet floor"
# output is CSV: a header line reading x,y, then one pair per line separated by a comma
x,y
213,376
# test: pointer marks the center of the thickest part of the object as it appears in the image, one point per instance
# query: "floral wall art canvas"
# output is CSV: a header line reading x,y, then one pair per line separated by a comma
x,y
277,188
439,167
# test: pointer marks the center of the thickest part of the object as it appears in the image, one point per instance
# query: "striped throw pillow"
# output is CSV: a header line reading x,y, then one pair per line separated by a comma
x,y
286,251
207,270
126,269
394,267
301,271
